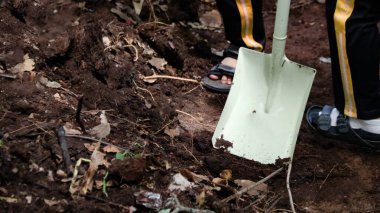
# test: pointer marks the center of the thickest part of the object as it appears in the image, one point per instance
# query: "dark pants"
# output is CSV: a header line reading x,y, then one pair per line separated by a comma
x,y
243,22
355,53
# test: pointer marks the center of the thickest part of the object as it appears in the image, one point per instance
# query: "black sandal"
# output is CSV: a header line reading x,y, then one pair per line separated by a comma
x,y
220,70
318,119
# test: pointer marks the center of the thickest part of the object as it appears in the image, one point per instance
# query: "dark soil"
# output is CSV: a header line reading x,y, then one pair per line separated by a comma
x,y
165,126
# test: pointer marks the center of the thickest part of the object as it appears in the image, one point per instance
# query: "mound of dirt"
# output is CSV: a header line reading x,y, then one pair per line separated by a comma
x,y
73,64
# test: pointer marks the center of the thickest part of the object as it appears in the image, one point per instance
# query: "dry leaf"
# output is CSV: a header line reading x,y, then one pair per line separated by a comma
x,y
90,147
172,132
69,129
9,199
137,5
3,190
191,176
263,188
53,202
111,149
103,129
28,199
158,63
27,65
226,174
200,199
97,159
219,181
211,19
180,183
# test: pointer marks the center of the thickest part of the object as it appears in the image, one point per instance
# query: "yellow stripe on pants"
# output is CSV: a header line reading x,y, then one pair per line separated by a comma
x,y
246,18
343,11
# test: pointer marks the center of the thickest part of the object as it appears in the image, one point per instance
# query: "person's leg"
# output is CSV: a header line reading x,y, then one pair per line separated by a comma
x,y
243,26
354,44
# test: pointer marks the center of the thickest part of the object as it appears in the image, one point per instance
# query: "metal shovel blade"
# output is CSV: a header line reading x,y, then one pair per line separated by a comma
x,y
264,109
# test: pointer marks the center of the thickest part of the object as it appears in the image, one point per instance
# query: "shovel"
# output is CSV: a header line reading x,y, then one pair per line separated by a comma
x,y
263,112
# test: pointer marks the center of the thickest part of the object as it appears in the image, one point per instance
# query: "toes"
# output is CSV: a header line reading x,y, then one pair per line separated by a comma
x,y
213,77
224,79
229,80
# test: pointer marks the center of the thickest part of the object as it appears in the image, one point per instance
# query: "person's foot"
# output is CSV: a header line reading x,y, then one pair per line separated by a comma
x,y
328,121
225,79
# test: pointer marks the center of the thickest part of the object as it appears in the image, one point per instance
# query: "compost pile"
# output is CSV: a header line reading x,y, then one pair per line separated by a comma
x,y
101,110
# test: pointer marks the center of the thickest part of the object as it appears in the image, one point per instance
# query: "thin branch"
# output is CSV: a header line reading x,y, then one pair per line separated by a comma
x,y
288,187
137,87
328,175
165,126
194,118
191,90
180,208
192,155
97,140
8,76
246,189
170,77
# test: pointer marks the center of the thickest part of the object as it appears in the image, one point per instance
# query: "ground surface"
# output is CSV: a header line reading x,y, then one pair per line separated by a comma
x,y
99,60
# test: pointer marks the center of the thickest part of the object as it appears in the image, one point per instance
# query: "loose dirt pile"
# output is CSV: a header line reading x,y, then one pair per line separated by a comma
x,y
92,68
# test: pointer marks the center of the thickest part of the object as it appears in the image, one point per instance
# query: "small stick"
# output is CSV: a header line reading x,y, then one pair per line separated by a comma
x,y
8,76
246,189
288,187
97,140
165,126
192,155
170,77
77,114
180,208
320,187
137,87
65,150
137,52
196,120
191,90
128,208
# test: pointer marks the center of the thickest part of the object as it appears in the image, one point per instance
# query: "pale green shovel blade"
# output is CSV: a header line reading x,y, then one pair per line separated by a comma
x,y
259,125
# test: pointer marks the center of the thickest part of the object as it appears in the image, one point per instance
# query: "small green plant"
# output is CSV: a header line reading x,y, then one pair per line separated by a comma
x,y
121,156
104,186
1,143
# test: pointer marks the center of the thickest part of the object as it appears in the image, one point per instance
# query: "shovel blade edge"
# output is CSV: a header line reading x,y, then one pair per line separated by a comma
x,y
246,128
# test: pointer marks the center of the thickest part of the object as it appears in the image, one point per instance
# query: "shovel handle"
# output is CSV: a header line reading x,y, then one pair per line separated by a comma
x,y
278,49
280,32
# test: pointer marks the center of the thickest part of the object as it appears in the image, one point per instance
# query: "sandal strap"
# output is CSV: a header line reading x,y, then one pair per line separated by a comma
x,y
222,69
324,119
342,123
231,51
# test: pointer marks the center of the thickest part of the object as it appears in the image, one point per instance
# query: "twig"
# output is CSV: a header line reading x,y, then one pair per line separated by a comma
x,y
152,10
288,186
191,90
128,208
165,126
97,140
170,77
136,51
180,208
153,22
65,151
5,114
196,120
8,76
69,92
192,155
328,175
137,87
246,189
